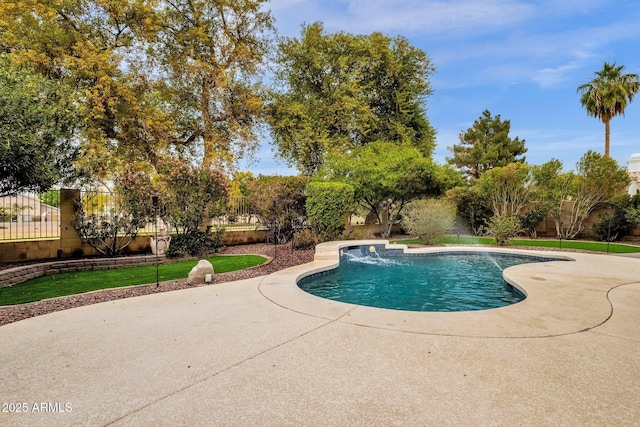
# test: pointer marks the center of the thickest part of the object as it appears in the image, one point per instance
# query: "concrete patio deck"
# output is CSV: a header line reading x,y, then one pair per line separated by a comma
x,y
263,352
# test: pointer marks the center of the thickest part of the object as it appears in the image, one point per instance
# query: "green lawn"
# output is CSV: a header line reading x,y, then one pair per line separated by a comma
x,y
542,243
86,281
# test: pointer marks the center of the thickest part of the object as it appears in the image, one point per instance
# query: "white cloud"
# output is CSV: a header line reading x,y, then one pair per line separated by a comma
x,y
549,77
454,18
549,59
430,17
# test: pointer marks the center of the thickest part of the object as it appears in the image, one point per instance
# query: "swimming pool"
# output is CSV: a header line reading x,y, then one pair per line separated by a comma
x,y
439,282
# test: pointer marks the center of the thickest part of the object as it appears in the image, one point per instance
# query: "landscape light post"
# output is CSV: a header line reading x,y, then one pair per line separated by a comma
x,y
473,220
294,227
560,235
609,227
275,222
154,203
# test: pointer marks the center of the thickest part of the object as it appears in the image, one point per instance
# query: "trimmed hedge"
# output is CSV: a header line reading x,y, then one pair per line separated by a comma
x,y
328,203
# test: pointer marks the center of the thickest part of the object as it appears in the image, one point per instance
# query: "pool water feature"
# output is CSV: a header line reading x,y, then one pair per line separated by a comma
x,y
447,281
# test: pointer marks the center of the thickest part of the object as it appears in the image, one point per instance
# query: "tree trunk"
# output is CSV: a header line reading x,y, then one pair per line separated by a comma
x,y
607,135
207,124
371,218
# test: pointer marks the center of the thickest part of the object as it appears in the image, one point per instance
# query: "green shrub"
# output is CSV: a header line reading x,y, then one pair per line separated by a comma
x,y
473,208
428,219
279,204
357,232
328,204
109,233
195,242
190,195
532,219
110,222
619,221
503,228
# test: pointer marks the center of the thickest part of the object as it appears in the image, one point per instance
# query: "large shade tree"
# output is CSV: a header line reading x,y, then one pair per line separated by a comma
x,y
486,145
211,53
150,78
88,46
607,95
337,92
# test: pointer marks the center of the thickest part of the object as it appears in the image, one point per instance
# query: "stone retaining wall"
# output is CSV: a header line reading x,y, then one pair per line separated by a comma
x,y
15,275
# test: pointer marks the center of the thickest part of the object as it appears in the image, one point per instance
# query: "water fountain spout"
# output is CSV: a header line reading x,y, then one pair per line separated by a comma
x,y
373,252
493,260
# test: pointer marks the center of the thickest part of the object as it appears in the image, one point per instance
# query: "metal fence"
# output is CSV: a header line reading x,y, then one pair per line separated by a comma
x,y
239,216
30,216
37,216
106,205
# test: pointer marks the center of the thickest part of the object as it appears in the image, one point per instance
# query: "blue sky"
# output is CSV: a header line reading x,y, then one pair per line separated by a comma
x,y
520,59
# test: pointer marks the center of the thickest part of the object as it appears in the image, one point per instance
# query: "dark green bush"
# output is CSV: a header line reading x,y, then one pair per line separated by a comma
x,y
607,227
619,220
195,242
532,219
473,209
328,204
279,203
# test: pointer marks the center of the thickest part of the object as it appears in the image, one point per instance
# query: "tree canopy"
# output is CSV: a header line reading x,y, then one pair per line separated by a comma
x,y
597,180
607,95
37,128
151,80
509,188
387,176
83,44
486,145
211,52
337,92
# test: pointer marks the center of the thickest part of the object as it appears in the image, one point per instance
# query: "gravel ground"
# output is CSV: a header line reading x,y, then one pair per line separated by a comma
x,y
284,258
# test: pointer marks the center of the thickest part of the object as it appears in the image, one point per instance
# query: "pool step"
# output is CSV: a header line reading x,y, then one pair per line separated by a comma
x,y
325,257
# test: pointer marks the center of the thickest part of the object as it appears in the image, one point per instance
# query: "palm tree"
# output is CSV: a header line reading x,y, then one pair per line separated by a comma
x,y
608,95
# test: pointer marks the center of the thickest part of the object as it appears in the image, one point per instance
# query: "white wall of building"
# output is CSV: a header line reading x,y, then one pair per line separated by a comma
x,y
633,166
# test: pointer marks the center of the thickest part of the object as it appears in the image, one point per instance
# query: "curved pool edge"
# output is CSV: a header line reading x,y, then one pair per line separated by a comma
x,y
562,297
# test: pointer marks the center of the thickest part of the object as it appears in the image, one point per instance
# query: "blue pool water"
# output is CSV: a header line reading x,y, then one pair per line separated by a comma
x,y
442,282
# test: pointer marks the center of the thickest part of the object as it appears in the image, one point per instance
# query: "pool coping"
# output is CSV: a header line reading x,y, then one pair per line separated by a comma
x,y
563,297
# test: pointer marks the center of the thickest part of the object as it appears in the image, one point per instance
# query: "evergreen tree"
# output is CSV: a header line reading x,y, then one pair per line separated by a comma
x,y
486,145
